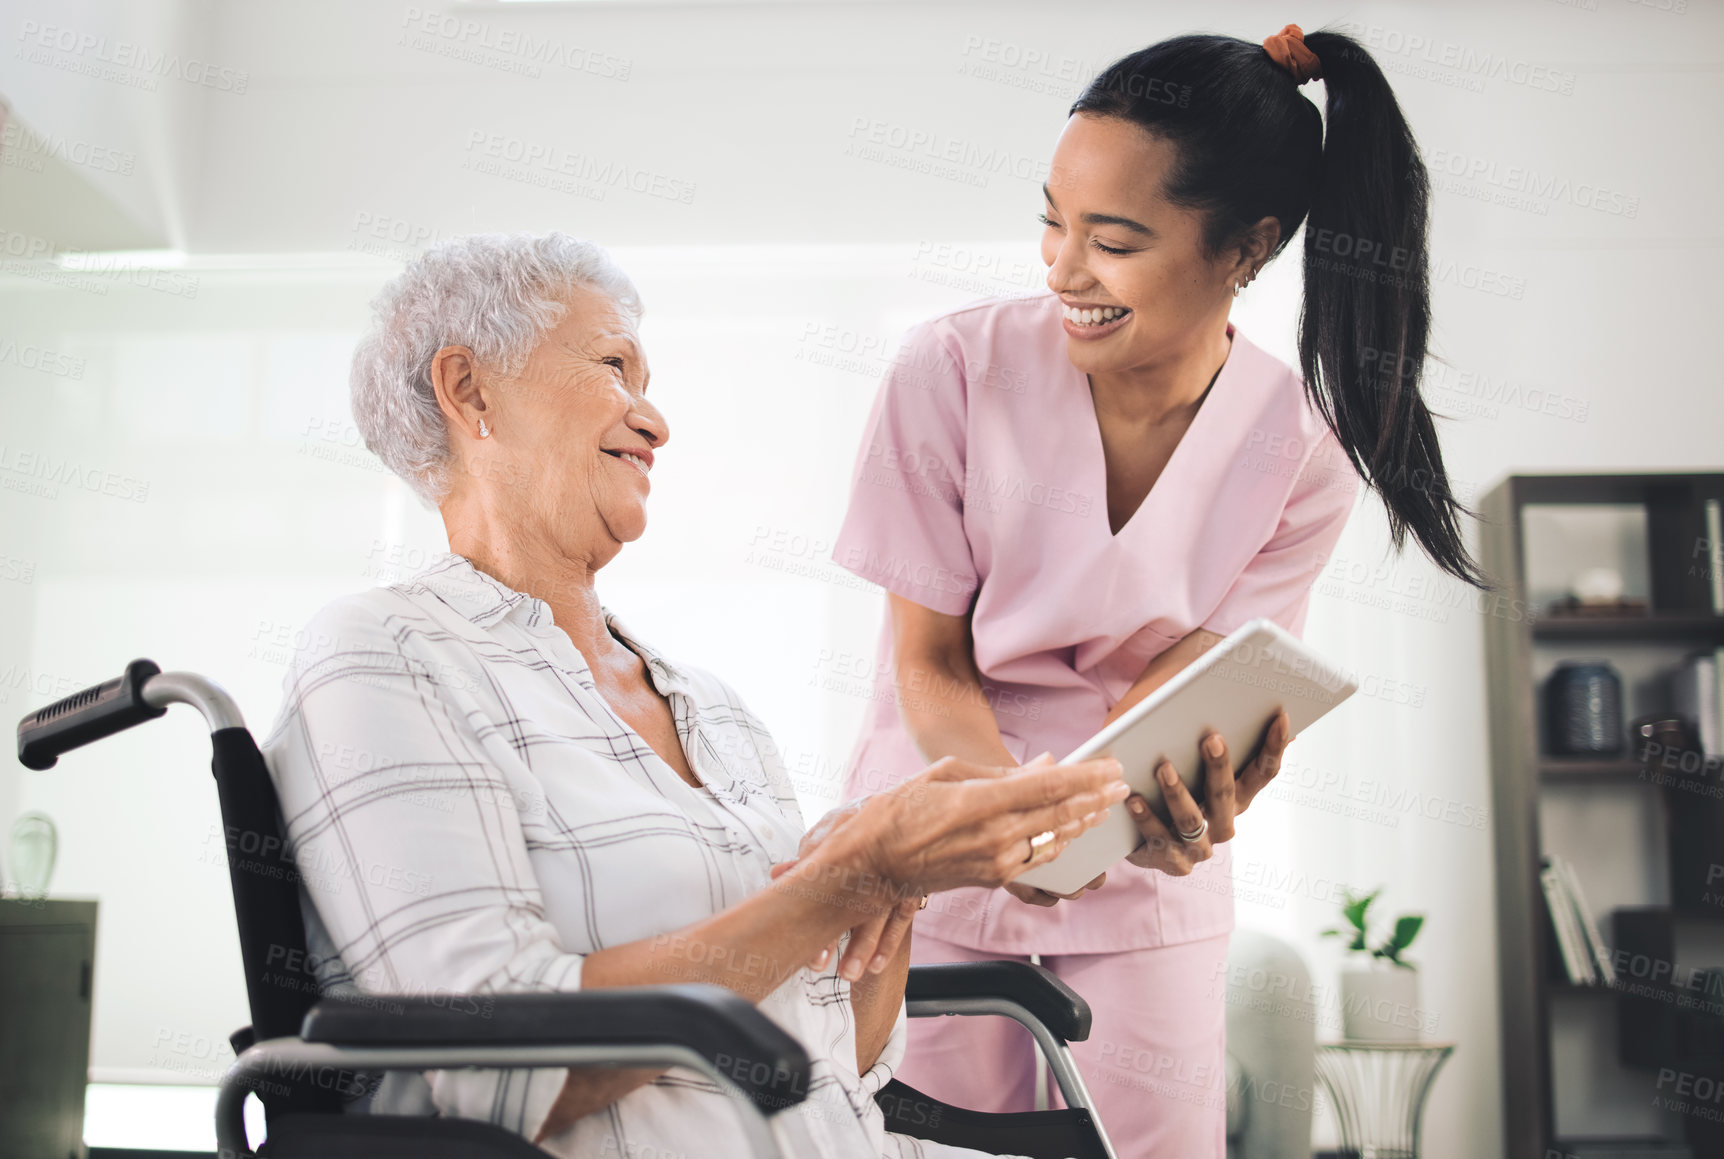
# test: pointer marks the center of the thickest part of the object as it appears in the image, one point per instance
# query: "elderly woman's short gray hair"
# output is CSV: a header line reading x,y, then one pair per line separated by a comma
x,y
497,294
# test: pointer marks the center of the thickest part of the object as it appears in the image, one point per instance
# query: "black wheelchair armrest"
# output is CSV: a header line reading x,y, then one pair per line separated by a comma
x,y
722,1027
1060,1008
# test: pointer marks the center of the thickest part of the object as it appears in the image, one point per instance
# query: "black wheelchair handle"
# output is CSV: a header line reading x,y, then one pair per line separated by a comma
x,y
99,711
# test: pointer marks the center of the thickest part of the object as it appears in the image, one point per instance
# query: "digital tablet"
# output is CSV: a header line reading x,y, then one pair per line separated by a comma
x,y
1235,689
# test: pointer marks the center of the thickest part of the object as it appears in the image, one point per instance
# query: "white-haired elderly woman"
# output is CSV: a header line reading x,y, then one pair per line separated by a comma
x,y
491,784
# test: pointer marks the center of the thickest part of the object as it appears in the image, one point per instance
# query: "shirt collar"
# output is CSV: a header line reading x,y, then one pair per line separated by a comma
x,y
480,598
666,676
487,601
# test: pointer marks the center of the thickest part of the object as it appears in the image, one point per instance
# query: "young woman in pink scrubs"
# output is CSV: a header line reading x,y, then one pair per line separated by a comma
x,y
1068,497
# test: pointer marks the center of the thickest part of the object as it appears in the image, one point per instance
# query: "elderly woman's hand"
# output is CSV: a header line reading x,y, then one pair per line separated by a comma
x,y
1224,798
876,939
953,825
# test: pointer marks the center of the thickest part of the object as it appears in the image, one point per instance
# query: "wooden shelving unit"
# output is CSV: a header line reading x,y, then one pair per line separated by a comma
x,y
1698,629
1680,619
1575,770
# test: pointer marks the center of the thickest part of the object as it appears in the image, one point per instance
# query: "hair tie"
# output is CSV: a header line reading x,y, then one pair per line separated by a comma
x,y
1287,49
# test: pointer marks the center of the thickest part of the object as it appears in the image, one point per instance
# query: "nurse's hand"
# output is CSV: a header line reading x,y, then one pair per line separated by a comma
x,y
1034,896
1224,798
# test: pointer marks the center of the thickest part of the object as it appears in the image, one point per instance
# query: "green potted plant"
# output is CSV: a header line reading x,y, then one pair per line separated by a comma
x,y
1380,997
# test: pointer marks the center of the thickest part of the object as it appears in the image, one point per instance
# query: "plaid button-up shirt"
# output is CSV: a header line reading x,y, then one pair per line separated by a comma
x,y
469,816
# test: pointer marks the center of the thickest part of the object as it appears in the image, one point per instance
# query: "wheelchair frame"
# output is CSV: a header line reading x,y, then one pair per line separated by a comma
x,y
694,1026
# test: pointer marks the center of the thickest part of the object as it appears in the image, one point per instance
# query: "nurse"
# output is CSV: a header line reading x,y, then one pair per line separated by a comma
x,y
1069,497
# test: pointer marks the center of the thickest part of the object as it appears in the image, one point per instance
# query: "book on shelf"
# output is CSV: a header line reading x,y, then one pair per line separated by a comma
x,y
1717,705
1621,1149
1587,922
1715,554
1697,696
1576,960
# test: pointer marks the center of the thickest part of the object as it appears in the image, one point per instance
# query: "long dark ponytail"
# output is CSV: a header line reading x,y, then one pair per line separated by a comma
x,y
1250,146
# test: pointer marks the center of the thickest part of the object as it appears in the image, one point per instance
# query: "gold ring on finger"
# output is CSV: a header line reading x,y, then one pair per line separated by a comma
x,y
1045,837
1196,834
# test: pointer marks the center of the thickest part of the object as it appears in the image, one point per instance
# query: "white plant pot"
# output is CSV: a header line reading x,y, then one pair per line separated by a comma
x,y
1381,1004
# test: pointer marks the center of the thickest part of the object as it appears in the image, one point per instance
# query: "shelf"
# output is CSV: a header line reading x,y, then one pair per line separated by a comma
x,y
1698,627
1598,990
1580,1146
1537,1006
1675,913
1587,770
1588,489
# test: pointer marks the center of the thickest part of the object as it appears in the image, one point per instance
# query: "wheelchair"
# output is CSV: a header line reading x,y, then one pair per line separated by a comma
x,y
303,1050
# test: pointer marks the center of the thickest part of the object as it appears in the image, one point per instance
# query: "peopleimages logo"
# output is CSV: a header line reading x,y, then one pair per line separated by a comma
x,y
553,166
41,473
1361,249
936,146
1460,59
531,51
1530,183
32,357
121,60
28,151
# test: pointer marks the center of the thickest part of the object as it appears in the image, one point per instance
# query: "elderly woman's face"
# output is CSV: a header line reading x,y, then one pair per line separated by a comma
x,y
577,430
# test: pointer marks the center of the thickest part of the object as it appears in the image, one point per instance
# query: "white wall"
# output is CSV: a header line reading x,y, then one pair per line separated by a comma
x,y
228,400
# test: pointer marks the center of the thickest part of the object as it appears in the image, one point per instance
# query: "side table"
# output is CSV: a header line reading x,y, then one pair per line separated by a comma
x,y
1379,1090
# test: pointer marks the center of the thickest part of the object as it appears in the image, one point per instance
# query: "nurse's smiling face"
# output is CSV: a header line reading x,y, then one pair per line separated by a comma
x,y
1130,265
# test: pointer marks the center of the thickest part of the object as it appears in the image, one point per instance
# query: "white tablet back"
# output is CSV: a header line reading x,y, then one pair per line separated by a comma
x,y
1235,689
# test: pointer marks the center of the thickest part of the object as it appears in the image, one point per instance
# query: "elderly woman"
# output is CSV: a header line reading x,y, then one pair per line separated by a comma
x,y
491,784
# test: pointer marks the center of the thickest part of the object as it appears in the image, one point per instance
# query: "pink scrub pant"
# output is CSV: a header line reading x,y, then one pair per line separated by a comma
x,y
1154,1061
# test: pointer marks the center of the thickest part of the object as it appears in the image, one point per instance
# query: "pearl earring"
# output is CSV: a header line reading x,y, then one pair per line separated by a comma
x,y
484,431
1236,288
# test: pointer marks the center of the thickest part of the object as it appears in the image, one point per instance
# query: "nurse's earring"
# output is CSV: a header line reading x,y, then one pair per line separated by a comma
x,y
485,431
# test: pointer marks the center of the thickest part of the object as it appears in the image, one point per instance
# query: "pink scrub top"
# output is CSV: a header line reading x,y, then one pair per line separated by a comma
x,y
981,488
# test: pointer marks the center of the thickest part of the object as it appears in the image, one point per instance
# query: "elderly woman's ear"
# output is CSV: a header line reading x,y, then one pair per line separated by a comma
x,y
459,394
